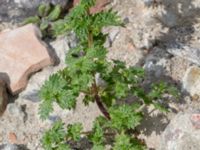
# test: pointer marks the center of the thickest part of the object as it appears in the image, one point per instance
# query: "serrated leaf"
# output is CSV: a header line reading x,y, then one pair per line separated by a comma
x,y
66,99
44,9
98,147
97,136
74,131
57,89
160,107
55,13
59,27
45,108
54,137
63,147
124,117
34,19
44,25
122,142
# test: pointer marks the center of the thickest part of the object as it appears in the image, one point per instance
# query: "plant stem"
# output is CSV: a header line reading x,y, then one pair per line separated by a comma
x,y
90,40
102,108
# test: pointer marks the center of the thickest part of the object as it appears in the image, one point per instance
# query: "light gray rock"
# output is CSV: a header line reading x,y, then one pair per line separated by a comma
x,y
12,147
16,111
35,3
187,52
181,134
177,12
148,2
9,147
156,63
191,81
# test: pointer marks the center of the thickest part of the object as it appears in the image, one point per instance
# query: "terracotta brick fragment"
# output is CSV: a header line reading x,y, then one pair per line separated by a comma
x,y
195,119
22,53
12,138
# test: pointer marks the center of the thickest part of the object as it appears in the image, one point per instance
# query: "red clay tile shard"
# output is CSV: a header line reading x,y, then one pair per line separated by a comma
x,y
195,118
22,53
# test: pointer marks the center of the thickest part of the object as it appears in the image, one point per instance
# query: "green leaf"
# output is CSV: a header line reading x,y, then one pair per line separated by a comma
x,y
44,25
45,108
74,131
104,19
63,147
57,89
98,147
34,19
44,9
54,137
121,90
59,27
55,13
160,107
124,117
97,136
122,142
66,99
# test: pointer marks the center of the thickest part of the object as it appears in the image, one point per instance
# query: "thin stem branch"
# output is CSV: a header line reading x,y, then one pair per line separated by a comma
x,y
94,86
101,107
98,101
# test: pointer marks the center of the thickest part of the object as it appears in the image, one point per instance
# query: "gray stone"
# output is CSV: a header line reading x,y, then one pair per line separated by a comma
x,y
16,111
12,147
148,2
180,134
9,147
191,81
187,52
178,12
3,97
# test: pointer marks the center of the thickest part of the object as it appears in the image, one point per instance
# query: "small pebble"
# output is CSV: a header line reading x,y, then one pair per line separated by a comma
x,y
12,138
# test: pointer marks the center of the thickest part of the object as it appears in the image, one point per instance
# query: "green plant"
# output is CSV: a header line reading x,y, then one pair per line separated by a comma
x,y
105,82
47,15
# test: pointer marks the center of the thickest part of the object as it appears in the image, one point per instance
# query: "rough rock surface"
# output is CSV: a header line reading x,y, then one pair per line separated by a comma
x,y
3,97
152,26
191,81
186,52
181,134
22,53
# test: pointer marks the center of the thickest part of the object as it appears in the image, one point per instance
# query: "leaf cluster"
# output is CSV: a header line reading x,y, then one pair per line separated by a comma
x,y
47,15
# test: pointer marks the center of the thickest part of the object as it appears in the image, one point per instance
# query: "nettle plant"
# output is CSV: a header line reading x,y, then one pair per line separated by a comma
x,y
104,82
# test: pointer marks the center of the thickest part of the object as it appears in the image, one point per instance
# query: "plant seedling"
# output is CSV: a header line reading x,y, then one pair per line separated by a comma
x,y
106,83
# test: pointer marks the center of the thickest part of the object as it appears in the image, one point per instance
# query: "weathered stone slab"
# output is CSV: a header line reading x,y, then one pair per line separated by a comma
x,y
21,54
182,133
184,51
